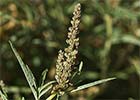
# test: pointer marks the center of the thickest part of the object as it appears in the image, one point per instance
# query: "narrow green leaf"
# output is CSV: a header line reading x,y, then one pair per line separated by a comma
x,y
51,96
80,67
45,91
92,84
23,98
27,72
130,39
135,62
121,12
126,39
58,96
31,77
78,71
45,86
44,74
3,96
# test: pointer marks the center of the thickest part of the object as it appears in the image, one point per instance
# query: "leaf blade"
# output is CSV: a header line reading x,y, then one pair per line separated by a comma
x,y
91,84
45,91
45,86
27,72
3,96
80,67
43,77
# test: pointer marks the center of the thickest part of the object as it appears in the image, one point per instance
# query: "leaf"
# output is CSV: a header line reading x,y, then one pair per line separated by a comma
x,y
4,97
136,62
51,96
45,91
126,39
31,77
92,84
121,12
77,72
27,72
131,39
23,98
43,76
80,67
58,96
45,86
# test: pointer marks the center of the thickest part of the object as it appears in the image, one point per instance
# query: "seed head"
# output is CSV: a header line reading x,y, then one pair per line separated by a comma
x,y
66,58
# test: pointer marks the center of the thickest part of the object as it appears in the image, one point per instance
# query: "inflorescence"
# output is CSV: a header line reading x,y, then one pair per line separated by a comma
x,y
66,58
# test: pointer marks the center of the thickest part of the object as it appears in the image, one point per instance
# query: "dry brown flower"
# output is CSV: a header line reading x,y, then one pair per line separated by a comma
x,y
66,58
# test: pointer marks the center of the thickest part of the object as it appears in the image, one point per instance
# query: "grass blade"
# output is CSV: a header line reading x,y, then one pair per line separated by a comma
x,y
92,84
27,72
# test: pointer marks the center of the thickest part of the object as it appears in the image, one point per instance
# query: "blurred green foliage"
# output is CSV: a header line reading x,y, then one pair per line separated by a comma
x,y
109,43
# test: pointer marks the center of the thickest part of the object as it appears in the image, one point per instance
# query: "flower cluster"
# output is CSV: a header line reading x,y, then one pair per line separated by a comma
x,y
66,58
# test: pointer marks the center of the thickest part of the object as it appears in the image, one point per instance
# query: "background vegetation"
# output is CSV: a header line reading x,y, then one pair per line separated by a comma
x,y
109,44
